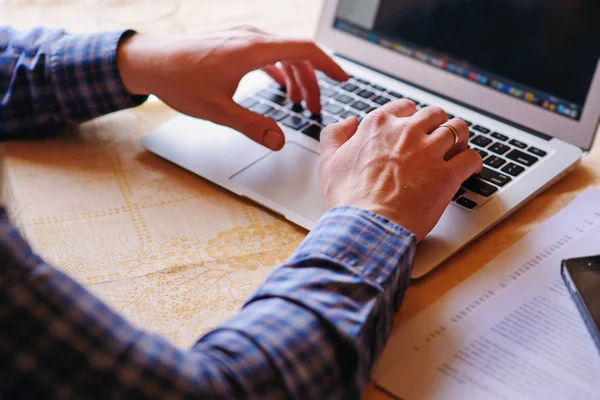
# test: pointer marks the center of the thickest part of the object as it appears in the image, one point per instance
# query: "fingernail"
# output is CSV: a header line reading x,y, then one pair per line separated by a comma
x,y
273,139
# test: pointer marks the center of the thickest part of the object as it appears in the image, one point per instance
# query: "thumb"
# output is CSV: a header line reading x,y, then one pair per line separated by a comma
x,y
257,127
335,135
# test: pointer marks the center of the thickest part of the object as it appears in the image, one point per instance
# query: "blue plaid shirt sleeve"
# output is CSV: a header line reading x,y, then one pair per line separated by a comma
x,y
311,331
49,78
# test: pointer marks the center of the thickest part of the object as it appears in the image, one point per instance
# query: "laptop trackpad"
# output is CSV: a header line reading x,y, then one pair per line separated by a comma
x,y
288,177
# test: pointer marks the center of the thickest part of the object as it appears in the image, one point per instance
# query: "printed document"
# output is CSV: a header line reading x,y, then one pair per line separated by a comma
x,y
511,331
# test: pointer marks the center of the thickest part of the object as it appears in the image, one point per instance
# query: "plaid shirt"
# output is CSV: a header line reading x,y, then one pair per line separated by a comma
x,y
312,330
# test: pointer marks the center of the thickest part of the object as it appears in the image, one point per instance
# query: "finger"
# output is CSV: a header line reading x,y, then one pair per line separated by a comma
x,y
335,135
293,88
306,78
462,145
257,127
389,114
399,108
428,119
276,74
273,50
465,164
442,140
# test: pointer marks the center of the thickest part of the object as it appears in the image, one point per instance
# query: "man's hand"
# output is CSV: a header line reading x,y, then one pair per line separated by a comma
x,y
199,75
399,164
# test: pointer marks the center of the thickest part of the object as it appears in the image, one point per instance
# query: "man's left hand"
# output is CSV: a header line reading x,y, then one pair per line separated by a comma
x,y
198,75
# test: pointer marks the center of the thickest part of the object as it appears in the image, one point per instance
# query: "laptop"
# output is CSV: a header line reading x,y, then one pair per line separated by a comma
x,y
525,77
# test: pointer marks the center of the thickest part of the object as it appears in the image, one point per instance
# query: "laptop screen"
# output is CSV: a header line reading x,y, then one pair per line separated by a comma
x,y
544,52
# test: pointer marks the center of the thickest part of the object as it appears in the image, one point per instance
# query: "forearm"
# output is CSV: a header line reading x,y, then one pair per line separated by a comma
x,y
326,313
49,78
346,281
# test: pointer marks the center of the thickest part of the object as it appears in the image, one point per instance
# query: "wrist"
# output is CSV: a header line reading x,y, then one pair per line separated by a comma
x,y
134,63
405,220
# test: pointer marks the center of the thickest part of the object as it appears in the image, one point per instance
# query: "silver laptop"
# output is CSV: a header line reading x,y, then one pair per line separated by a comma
x,y
525,78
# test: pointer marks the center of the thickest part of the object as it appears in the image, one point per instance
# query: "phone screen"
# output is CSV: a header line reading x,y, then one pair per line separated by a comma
x,y
583,279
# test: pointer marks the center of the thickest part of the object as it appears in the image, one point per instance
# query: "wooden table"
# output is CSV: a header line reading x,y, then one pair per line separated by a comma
x,y
188,252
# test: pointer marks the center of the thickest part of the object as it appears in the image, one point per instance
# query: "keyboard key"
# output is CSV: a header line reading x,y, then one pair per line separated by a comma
x,y
359,105
349,87
499,148
317,117
350,114
460,192
518,144
423,105
363,81
494,177
414,101
368,109
469,123
467,203
333,108
314,131
513,169
328,92
276,87
395,94
294,122
343,98
297,108
328,120
522,158
482,153
481,129
471,134
329,80
499,136
272,97
495,161
262,108
377,87
278,115
249,102
313,117
381,100
481,141
366,94
536,151
480,187
450,116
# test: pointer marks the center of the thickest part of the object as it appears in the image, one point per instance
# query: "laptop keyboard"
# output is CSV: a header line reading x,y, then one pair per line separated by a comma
x,y
504,158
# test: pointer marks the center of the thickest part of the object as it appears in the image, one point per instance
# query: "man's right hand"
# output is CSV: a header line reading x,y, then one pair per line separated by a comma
x,y
399,163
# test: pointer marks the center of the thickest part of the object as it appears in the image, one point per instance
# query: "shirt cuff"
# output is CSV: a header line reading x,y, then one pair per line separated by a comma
x,y
83,70
380,250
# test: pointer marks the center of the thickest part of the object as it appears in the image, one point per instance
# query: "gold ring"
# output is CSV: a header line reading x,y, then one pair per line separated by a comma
x,y
454,132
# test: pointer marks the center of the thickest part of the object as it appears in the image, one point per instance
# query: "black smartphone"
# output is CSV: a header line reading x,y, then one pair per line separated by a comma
x,y
582,277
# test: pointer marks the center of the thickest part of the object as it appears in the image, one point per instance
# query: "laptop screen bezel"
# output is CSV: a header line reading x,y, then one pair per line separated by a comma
x,y
580,133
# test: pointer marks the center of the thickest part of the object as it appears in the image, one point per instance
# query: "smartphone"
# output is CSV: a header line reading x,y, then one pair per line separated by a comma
x,y
582,277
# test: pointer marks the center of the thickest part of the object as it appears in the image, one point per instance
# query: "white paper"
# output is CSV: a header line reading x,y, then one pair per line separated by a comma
x,y
511,331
